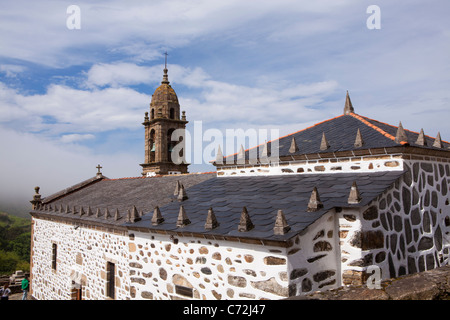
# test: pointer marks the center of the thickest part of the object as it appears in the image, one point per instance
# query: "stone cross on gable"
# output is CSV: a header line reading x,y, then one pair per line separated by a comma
x,y
98,168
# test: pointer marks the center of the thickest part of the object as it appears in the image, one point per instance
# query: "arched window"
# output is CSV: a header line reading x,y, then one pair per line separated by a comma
x,y
172,113
152,115
152,145
170,144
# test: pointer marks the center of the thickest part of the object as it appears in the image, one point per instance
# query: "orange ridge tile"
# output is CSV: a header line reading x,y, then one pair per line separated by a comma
x,y
415,132
367,123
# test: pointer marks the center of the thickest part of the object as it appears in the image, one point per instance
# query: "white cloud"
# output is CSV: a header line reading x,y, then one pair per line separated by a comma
x,y
72,110
291,103
69,138
107,104
11,70
37,31
119,74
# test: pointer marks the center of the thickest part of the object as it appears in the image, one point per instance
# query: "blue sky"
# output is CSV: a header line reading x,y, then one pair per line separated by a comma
x,y
72,99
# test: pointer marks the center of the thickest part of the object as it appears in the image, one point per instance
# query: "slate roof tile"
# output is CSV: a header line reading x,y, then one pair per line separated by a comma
x,y
340,133
263,208
121,194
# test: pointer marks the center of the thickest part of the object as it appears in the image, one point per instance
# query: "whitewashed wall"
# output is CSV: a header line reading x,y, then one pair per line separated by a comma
x,y
82,256
405,230
313,258
213,269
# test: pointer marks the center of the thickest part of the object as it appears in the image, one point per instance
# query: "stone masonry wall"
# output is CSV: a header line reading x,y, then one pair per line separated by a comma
x,y
194,268
406,230
313,258
82,256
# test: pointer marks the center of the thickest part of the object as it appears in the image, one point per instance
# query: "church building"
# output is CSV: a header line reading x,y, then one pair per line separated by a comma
x,y
343,198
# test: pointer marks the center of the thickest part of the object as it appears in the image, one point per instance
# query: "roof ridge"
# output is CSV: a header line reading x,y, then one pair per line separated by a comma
x,y
287,135
73,188
160,176
390,125
367,123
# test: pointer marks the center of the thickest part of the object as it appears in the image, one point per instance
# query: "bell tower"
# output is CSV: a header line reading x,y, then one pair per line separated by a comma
x,y
162,154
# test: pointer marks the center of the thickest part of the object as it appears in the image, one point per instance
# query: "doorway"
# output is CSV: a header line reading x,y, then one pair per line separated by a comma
x,y
76,293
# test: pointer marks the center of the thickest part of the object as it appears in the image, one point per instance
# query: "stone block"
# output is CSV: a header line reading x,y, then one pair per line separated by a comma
x,y
271,286
415,287
270,260
237,281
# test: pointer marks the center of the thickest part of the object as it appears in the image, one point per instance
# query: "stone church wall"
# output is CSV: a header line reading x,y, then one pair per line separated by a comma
x,y
194,268
406,230
82,256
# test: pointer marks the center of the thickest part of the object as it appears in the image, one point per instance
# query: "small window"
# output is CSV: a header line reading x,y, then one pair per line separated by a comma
x,y
184,291
54,254
152,114
172,113
110,279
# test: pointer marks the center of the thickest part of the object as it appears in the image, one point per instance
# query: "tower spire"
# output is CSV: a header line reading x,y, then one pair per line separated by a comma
x,y
165,59
165,76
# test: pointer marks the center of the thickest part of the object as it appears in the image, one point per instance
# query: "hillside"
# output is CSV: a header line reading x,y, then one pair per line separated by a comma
x,y
15,237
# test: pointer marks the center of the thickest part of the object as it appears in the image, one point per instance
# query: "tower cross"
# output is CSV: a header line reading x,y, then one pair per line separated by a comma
x,y
98,168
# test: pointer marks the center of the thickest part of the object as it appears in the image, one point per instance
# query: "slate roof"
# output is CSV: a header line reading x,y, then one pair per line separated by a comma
x,y
340,132
100,193
263,197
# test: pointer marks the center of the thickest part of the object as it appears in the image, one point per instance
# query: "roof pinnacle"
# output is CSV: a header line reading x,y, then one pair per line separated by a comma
x,y
182,195
219,156
211,220
281,226
117,215
107,215
294,147
182,220
348,108
324,145
421,141
358,140
245,224
401,134
314,203
157,216
438,142
354,197
241,155
134,217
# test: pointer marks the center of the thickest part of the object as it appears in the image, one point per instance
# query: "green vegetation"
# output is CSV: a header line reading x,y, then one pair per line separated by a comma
x,y
15,238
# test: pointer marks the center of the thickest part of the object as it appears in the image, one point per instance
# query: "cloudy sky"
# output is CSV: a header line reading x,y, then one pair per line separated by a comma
x,y
73,92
